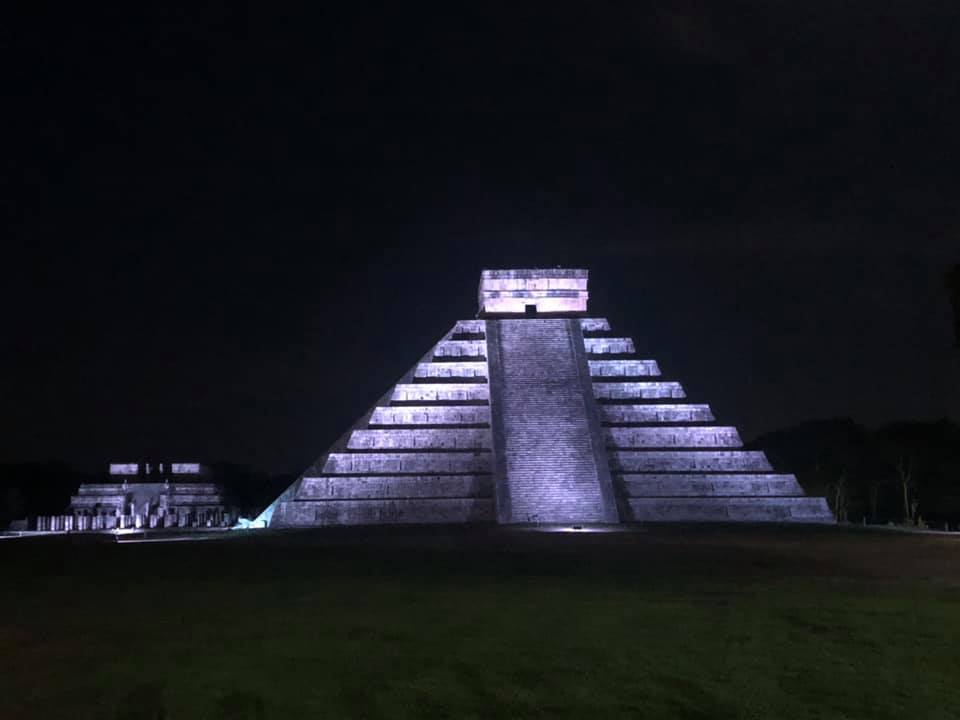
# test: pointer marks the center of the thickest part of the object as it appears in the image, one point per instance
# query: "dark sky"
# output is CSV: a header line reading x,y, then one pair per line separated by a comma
x,y
228,231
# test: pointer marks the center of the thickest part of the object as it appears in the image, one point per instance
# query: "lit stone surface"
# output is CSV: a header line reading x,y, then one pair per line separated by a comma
x,y
445,439
594,325
451,370
689,460
431,415
550,471
416,463
707,485
548,291
653,413
441,392
393,486
469,327
609,346
623,368
733,509
124,468
637,390
517,417
150,495
185,468
386,511
460,349
664,437
112,497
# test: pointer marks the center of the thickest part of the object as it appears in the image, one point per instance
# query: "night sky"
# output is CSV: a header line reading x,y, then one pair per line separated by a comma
x,y
227,232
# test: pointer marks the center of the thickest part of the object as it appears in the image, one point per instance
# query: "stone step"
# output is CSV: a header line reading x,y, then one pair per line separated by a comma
x,y
311,513
688,460
637,390
623,368
440,392
742,509
706,485
594,325
412,463
431,415
680,437
393,486
609,346
460,349
664,412
421,439
451,370
470,327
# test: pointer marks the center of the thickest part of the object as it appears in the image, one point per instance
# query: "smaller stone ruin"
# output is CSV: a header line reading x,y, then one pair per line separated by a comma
x,y
145,496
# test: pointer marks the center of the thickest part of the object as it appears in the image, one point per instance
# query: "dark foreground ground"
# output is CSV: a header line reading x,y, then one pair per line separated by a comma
x,y
446,623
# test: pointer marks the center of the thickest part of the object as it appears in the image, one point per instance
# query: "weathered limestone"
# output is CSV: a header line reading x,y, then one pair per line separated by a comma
x,y
419,439
709,485
637,390
679,437
623,368
469,327
689,460
476,370
609,346
440,393
533,413
460,349
146,494
654,413
333,487
542,291
414,463
431,415
731,509
550,471
390,511
589,325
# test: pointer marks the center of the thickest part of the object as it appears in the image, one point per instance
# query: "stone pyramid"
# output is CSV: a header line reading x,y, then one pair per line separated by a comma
x,y
536,413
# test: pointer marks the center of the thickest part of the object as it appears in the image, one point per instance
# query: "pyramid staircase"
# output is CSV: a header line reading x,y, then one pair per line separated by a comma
x,y
550,469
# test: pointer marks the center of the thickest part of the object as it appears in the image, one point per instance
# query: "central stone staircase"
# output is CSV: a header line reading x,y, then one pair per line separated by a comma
x,y
551,472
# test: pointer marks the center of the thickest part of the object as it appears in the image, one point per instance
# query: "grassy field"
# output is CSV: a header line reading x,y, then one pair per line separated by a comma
x,y
450,623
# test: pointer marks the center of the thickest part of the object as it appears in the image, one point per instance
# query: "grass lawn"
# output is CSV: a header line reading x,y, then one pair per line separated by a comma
x,y
671,622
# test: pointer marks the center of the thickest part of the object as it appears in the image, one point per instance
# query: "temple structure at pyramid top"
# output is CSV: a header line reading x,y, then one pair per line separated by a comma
x,y
535,412
526,292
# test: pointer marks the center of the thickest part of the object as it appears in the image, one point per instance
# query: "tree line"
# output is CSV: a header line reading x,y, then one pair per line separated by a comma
x,y
903,472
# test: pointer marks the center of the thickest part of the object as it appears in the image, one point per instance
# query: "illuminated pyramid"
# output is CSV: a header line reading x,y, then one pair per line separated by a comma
x,y
535,413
